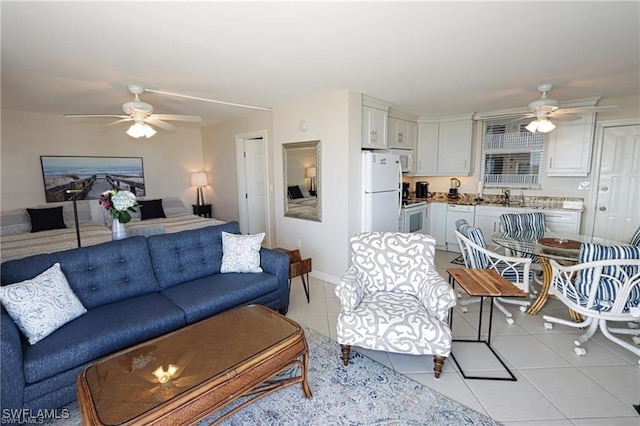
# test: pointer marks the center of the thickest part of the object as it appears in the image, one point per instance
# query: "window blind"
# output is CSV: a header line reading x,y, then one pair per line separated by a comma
x,y
511,156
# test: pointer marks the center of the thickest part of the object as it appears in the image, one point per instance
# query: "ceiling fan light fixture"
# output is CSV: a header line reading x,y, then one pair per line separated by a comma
x,y
533,126
138,130
545,126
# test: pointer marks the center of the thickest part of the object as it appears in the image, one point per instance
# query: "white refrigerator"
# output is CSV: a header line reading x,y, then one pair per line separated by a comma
x,y
382,201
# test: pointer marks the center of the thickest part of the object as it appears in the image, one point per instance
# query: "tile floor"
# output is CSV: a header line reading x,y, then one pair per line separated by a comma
x,y
554,387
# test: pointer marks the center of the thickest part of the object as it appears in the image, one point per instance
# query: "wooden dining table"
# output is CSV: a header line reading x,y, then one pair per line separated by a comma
x,y
562,247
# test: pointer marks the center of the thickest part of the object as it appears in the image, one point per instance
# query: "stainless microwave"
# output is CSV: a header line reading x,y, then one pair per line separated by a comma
x,y
406,158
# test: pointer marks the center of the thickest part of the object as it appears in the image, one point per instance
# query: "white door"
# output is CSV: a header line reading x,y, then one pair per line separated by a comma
x,y
252,185
617,213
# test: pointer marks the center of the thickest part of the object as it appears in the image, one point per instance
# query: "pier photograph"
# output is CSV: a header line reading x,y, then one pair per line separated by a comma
x,y
91,175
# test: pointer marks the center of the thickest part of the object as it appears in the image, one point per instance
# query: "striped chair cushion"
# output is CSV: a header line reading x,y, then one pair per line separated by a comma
x,y
461,222
635,240
610,275
524,225
530,226
475,235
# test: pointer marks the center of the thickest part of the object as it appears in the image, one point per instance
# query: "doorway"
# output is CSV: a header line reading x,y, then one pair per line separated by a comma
x,y
616,195
251,154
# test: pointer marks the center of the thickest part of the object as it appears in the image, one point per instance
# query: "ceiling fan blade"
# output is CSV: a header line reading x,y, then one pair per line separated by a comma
x,y
564,116
115,123
157,122
586,109
95,116
173,117
161,92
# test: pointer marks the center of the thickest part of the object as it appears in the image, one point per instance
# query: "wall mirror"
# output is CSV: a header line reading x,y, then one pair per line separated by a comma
x,y
302,180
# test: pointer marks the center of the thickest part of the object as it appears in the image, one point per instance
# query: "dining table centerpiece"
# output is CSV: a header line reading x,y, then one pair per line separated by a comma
x,y
119,203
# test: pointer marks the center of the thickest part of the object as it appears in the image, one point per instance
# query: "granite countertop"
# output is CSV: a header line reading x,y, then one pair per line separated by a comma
x,y
542,203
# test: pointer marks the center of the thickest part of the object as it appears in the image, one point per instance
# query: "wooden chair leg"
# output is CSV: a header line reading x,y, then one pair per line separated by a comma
x,y
438,364
346,350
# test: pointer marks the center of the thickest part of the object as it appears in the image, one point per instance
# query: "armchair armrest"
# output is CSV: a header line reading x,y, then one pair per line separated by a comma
x,y
437,296
11,364
350,290
277,263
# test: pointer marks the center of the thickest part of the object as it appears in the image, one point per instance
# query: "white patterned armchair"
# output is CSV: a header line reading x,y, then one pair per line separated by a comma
x,y
393,299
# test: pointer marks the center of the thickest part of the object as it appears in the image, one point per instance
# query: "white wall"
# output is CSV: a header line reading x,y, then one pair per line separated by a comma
x,y
329,118
168,157
219,152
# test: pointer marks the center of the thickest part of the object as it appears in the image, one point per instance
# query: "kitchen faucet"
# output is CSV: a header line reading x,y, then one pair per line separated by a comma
x,y
506,193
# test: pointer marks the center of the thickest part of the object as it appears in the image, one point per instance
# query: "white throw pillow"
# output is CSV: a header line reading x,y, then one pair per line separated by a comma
x,y
241,253
41,305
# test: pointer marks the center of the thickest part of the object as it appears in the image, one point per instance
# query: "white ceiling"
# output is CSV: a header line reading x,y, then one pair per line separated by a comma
x,y
427,58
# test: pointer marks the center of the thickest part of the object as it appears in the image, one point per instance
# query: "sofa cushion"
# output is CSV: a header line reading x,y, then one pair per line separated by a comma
x,y
241,253
188,255
101,331
207,296
41,305
98,275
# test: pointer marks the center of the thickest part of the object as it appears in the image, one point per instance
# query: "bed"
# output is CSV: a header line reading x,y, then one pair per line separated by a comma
x,y
17,240
303,208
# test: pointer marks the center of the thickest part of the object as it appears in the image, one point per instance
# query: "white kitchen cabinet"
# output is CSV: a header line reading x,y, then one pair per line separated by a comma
x,y
375,114
437,220
563,221
569,147
444,147
402,133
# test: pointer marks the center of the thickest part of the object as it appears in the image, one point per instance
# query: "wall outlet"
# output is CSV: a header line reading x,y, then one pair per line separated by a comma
x,y
299,243
286,239
576,205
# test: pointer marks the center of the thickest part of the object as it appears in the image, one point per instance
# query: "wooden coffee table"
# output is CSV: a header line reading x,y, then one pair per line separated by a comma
x,y
186,375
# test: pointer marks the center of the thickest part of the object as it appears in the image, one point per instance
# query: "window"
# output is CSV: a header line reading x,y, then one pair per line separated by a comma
x,y
511,156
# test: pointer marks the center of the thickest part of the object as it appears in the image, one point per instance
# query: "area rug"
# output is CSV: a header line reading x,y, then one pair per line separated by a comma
x,y
458,260
364,393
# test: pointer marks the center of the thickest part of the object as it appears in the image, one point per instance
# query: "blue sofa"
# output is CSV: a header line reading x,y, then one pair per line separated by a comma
x,y
134,290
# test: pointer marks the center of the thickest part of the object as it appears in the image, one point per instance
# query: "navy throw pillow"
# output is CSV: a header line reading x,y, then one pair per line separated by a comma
x,y
294,192
46,219
151,209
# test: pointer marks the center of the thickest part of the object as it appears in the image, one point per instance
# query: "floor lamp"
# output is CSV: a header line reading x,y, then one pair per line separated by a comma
x,y
199,179
74,193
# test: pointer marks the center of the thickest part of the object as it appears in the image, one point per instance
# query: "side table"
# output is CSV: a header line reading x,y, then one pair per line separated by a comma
x,y
483,283
203,210
298,268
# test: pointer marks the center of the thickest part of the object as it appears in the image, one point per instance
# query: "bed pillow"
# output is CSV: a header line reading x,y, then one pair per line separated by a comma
x,y
241,253
151,209
305,192
41,305
46,219
294,192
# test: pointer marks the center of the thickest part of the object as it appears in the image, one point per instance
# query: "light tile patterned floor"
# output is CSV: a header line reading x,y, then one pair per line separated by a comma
x,y
555,386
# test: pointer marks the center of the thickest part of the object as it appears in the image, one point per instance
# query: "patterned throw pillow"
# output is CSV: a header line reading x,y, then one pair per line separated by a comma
x,y
41,305
241,253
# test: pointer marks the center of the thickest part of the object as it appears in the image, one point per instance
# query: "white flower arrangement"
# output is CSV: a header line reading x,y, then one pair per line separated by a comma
x,y
119,204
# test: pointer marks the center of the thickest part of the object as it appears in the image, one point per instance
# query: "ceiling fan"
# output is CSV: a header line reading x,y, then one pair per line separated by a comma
x,y
545,109
141,113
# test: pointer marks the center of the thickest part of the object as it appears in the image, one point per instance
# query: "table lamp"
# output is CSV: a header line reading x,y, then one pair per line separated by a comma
x,y
199,179
310,172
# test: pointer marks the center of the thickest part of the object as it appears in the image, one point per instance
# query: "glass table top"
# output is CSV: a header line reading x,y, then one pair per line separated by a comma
x,y
552,245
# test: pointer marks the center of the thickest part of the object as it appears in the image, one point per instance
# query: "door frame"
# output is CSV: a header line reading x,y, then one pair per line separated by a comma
x,y
241,140
590,214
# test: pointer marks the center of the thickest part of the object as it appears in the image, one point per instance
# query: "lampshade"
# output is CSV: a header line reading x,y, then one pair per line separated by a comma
x,y
541,125
199,179
138,130
310,172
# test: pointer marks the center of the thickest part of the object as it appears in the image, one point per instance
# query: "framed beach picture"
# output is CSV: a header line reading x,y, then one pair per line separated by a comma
x,y
91,176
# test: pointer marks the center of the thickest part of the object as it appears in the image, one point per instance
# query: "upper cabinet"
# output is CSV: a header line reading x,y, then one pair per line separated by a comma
x,y
569,147
402,133
375,114
445,146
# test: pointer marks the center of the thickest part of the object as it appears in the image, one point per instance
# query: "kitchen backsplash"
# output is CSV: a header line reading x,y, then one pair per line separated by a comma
x,y
498,199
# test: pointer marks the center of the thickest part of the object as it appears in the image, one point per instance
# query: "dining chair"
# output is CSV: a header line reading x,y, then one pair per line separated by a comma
x,y
393,299
604,286
530,226
476,255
